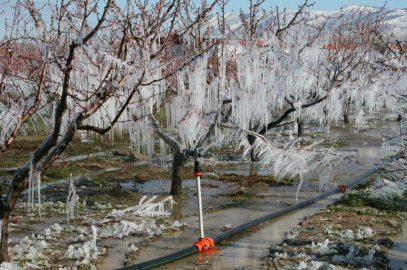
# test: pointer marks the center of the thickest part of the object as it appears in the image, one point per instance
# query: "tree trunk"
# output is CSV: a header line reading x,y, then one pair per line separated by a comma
x,y
300,128
252,174
17,189
4,257
252,156
176,183
252,139
346,112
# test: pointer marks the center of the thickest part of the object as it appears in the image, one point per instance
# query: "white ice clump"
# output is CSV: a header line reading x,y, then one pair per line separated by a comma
x,y
281,255
321,248
50,232
302,265
148,208
293,234
346,235
370,256
178,225
353,259
88,252
102,206
132,248
227,227
148,228
31,250
9,266
291,160
364,233
125,228
315,265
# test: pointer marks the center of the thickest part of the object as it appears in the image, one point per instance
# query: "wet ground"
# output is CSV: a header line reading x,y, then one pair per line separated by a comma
x,y
246,251
398,254
227,202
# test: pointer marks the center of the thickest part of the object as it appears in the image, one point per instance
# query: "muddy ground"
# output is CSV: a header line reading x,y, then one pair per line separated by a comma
x,y
109,176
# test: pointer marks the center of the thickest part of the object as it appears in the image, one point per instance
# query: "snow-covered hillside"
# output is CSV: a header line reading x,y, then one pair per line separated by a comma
x,y
395,18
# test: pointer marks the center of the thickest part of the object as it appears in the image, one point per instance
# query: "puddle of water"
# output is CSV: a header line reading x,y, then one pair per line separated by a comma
x,y
241,252
246,250
116,251
398,254
37,228
161,186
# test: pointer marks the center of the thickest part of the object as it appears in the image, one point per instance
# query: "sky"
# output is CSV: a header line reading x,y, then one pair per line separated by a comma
x,y
320,4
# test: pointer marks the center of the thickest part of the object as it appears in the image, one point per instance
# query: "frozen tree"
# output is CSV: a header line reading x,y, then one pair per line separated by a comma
x,y
194,114
393,63
196,102
87,74
300,71
304,73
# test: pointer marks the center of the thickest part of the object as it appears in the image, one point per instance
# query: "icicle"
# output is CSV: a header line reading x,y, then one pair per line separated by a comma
x,y
39,192
94,234
299,186
71,200
30,184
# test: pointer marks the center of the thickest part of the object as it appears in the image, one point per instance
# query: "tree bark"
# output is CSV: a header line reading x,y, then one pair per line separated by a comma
x,y
253,170
300,128
4,257
176,183
18,185
251,138
346,112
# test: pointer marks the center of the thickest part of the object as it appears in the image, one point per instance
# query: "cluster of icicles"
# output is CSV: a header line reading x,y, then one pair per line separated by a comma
x,y
266,77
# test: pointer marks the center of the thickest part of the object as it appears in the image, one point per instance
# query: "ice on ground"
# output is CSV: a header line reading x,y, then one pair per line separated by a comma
x,y
86,253
148,208
364,233
9,266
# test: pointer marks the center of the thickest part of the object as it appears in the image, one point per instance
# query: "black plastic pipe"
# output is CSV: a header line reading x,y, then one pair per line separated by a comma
x,y
186,252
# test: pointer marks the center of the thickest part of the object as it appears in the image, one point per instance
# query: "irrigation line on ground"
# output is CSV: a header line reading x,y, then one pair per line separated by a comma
x,y
186,252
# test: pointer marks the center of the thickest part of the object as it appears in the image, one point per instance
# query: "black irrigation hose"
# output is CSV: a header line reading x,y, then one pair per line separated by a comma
x,y
186,252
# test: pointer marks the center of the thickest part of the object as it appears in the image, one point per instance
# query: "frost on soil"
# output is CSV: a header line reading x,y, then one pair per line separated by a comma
x,y
75,244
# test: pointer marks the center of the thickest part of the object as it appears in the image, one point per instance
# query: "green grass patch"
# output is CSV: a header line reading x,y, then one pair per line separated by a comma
x,y
359,198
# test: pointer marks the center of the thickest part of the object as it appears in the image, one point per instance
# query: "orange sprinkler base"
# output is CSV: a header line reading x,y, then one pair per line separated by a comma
x,y
204,244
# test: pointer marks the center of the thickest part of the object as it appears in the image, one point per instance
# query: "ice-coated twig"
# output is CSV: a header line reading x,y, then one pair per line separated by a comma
x,y
146,208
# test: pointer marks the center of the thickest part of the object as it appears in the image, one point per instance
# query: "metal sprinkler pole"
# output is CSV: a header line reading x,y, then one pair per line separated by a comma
x,y
195,153
198,173
204,244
